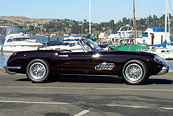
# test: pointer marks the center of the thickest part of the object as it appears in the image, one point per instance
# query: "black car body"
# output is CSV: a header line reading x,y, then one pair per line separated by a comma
x,y
134,67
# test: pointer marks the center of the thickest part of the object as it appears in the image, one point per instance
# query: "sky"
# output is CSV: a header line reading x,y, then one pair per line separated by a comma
x,y
102,10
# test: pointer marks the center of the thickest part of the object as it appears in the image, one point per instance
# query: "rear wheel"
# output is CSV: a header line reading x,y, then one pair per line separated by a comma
x,y
38,70
134,72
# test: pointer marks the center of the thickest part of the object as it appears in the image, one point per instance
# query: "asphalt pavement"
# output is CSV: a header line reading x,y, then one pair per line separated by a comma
x,y
85,96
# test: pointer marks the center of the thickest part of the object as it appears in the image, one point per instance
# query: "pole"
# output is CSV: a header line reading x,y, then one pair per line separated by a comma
x,y
166,15
1,47
82,31
89,16
48,38
169,28
134,22
2,39
57,38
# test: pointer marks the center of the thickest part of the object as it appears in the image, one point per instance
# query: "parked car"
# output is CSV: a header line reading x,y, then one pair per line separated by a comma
x,y
133,67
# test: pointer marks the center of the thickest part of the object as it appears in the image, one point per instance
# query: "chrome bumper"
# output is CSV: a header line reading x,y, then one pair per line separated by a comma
x,y
11,67
164,70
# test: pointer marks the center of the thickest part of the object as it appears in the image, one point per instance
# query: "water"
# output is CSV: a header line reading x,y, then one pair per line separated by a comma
x,y
171,38
43,39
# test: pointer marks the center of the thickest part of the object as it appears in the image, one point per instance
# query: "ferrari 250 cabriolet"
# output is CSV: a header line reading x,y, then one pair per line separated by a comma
x,y
133,67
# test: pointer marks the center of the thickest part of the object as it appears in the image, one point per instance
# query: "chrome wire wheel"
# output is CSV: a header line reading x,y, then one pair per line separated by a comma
x,y
37,70
134,72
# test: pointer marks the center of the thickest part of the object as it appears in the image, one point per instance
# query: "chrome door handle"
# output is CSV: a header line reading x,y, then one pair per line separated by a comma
x,y
63,56
96,56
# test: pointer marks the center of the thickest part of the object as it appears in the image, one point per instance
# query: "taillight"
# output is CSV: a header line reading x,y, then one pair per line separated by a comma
x,y
14,53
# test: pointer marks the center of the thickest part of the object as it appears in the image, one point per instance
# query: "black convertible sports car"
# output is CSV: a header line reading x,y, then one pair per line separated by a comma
x,y
133,67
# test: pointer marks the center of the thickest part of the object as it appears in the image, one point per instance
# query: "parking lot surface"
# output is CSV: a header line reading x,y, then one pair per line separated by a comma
x,y
85,96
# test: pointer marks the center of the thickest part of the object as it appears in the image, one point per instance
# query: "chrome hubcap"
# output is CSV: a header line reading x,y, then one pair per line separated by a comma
x,y
133,72
37,70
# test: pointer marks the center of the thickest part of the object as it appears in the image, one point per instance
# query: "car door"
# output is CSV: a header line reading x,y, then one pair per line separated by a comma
x,y
76,63
104,63
87,63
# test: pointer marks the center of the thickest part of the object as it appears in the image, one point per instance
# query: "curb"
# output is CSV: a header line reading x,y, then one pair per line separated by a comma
x,y
2,69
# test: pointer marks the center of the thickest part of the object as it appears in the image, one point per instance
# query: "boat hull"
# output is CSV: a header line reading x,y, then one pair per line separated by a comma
x,y
166,56
17,48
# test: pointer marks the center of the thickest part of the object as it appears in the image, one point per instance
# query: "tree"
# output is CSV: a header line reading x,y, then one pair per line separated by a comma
x,y
111,24
31,28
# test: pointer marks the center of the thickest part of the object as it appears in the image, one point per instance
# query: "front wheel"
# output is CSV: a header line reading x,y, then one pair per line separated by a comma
x,y
38,70
134,72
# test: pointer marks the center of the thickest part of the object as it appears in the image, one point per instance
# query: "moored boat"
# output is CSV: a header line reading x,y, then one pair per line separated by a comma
x,y
124,40
134,47
17,40
69,43
165,53
155,36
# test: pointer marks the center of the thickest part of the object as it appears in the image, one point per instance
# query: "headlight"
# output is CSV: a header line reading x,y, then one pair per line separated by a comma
x,y
159,60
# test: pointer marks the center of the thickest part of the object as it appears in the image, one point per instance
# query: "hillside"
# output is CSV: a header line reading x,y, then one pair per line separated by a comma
x,y
69,26
20,20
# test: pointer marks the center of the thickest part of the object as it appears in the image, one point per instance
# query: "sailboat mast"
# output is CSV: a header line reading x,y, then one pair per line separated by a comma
x,y
89,16
166,18
134,22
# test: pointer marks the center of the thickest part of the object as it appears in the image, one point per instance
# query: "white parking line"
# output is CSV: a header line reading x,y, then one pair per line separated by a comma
x,y
128,106
167,108
82,113
30,102
131,106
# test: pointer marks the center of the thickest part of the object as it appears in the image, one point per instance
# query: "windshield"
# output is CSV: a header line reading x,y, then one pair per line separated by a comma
x,y
20,39
89,45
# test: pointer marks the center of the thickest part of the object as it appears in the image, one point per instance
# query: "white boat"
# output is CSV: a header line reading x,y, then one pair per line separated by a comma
x,y
69,43
16,40
165,53
71,38
125,35
155,36
19,42
158,36
157,39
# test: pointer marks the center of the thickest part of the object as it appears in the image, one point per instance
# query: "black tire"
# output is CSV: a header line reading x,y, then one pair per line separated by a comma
x,y
135,72
38,71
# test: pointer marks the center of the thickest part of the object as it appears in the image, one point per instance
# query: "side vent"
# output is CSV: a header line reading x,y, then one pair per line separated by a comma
x,y
105,66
